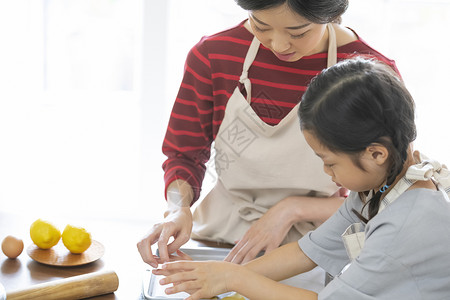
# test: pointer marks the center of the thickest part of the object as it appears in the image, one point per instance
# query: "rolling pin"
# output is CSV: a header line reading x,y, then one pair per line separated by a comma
x,y
76,287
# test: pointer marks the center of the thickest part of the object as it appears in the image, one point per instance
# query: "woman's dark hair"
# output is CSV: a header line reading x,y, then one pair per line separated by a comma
x,y
356,103
316,11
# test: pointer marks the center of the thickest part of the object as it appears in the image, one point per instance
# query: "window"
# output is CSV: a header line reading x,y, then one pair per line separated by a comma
x,y
86,89
70,115
412,32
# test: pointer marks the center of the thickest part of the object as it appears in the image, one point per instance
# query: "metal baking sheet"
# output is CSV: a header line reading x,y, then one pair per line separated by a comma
x,y
151,288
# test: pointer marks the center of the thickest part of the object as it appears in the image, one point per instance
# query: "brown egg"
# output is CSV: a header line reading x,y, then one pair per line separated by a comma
x,y
12,246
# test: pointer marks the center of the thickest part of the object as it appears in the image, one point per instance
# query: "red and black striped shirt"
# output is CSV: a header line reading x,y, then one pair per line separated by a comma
x,y
211,74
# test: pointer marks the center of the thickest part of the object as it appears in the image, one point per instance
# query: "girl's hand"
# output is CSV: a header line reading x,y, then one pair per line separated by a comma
x,y
199,279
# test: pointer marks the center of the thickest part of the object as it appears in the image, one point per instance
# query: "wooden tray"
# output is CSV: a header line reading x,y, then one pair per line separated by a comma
x,y
59,255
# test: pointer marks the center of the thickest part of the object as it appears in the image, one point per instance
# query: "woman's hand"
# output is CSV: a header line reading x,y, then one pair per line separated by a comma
x,y
199,279
176,224
269,231
266,234
179,256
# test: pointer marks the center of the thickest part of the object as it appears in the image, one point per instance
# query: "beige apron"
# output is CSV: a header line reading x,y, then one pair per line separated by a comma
x,y
258,165
354,236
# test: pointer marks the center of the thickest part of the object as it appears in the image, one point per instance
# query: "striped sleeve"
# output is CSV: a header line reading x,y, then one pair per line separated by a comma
x,y
188,138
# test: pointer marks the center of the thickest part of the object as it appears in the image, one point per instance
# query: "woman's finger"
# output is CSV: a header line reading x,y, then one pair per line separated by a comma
x,y
183,256
172,258
251,248
180,239
166,233
144,246
161,272
239,256
236,249
253,251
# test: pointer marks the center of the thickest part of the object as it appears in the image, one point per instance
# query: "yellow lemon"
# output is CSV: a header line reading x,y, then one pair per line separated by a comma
x,y
234,296
44,234
76,239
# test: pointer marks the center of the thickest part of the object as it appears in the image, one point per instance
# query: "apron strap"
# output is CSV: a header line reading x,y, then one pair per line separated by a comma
x,y
249,58
399,188
427,169
332,47
430,168
354,236
253,50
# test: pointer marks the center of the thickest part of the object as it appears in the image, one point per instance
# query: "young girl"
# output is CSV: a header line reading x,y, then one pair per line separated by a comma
x,y
391,237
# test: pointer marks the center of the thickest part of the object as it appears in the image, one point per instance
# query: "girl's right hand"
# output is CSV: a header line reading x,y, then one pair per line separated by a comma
x,y
176,224
199,279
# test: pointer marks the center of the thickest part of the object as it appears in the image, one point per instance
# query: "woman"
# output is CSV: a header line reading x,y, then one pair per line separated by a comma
x,y
240,90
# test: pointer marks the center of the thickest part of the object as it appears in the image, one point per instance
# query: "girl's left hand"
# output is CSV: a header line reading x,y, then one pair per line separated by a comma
x,y
199,279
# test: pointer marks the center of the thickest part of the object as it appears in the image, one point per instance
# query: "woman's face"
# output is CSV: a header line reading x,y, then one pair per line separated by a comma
x,y
289,35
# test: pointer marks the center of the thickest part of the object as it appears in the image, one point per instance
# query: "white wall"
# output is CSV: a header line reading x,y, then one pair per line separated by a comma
x,y
83,134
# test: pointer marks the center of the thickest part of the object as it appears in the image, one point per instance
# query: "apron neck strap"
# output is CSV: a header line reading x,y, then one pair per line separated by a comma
x,y
332,47
426,170
249,58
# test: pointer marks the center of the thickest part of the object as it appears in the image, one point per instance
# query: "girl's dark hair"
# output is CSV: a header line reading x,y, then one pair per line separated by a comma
x,y
357,103
316,11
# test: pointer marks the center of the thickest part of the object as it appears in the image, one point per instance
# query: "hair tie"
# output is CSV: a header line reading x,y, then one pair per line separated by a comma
x,y
384,188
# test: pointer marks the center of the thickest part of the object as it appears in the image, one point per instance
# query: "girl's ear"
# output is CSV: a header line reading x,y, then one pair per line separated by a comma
x,y
378,153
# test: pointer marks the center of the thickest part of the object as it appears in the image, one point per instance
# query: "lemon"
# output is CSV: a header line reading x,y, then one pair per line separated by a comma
x,y
44,234
76,239
234,296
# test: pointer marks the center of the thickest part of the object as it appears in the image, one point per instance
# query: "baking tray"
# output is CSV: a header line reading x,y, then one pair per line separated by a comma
x,y
151,288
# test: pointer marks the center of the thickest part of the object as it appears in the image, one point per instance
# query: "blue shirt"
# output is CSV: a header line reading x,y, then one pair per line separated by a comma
x,y
406,253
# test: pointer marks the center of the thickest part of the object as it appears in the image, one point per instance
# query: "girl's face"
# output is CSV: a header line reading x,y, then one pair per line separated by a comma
x,y
289,35
343,170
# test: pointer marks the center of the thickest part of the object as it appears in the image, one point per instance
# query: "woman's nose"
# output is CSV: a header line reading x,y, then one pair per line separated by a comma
x,y
280,44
